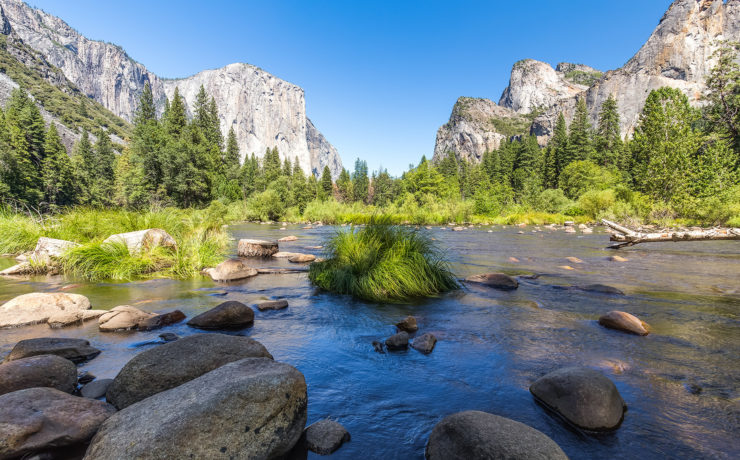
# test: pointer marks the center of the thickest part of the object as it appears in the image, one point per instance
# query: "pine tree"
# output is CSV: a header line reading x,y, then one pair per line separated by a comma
x,y
146,110
360,181
271,168
83,162
580,138
248,175
723,96
103,170
327,187
609,146
344,186
559,146
146,158
287,168
213,134
175,117
58,175
231,156
21,174
382,188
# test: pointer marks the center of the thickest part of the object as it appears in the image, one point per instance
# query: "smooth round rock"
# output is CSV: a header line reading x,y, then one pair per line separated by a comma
x,y
475,435
228,315
326,436
582,396
272,305
96,389
302,258
254,408
495,280
123,318
231,270
75,350
424,343
624,321
408,324
46,419
398,341
38,371
174,363
161,320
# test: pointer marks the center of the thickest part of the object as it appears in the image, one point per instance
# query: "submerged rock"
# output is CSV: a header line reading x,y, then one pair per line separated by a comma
x,y
272,305
251,408
174,363
378,347
37,307
256,248
473,435
302,258
75,350
287,238
231,270
495,280
618,259
624,322
600,288
408,324
582,396
424,343
161,320
325,436
143,240
96,389
399,341
38,371
73,318
228,315
46,419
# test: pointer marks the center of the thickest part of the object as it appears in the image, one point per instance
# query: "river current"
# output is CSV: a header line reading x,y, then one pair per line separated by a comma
x,y
681,383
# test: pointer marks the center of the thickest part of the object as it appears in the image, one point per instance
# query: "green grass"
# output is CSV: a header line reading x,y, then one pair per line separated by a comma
x,y
383,263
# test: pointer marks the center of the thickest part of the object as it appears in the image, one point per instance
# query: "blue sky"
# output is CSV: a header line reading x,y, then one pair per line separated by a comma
x,y
380,77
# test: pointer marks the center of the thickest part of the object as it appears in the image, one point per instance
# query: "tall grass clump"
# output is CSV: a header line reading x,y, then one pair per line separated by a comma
x,y
112,261
383,262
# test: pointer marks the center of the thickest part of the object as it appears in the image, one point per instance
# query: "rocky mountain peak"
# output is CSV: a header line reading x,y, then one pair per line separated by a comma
x,y
264,110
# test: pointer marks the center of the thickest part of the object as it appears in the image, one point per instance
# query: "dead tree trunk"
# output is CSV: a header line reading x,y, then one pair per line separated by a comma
x,y
628,237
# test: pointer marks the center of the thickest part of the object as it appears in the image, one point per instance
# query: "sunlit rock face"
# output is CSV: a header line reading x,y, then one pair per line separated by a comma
x,y
678,54
264,110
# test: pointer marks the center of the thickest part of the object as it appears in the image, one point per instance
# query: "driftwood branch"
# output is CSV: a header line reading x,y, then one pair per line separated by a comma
x,y
628,237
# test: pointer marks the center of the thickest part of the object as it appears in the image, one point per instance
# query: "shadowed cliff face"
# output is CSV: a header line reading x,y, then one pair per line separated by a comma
x,y
264,111
677,54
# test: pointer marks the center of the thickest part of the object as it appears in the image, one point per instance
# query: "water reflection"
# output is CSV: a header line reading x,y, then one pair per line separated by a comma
x,y
680,382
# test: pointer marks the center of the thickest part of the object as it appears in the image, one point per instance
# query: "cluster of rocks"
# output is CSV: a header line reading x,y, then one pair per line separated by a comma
x,y
164,403
423,343
238,268
45,256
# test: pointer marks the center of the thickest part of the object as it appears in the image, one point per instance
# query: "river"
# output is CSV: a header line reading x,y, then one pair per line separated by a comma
x,y
681,383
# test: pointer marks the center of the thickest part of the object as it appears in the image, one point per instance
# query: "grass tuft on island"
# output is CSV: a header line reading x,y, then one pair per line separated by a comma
x,y
383,263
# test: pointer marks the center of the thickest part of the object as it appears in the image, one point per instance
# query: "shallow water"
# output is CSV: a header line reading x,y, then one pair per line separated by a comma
x,y
680,382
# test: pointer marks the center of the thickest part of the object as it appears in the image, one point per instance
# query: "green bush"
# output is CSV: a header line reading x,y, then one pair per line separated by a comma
x,y
267,205
553,201
383,262
581,176
595,202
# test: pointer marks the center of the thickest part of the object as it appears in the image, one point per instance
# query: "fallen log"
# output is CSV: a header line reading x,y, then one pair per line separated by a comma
x,y
628,237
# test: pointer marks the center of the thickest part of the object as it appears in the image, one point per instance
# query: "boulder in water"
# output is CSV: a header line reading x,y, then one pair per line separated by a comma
x,y
38,371
582,396
302,258
174,363
325,436
38,420
143,240
231,270
272,305
287,238
479,435
37,307
600,288
424,343
256,248
73,318
408,324
75,350
96,389
495,280
123,318
399,341
624,322
161,320
250,408
228,315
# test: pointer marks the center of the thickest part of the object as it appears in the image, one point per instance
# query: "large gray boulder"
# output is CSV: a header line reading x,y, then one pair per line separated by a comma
x,y
256,248
228,315
582,396
123,318
38,371
474,435
325,436
37,307
46,419
254,408
75,350
169,365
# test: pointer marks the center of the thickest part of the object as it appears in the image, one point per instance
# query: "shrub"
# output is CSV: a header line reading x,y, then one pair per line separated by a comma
x,y
581,176
382,262
553,201
267,205
595,202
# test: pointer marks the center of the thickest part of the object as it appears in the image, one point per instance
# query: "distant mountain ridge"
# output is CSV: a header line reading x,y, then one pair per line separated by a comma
x,y
677,55
264,110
